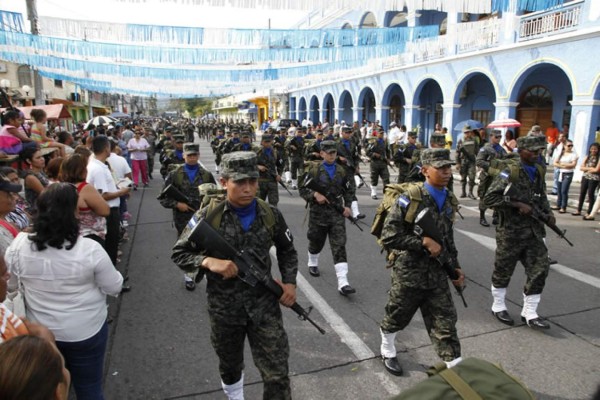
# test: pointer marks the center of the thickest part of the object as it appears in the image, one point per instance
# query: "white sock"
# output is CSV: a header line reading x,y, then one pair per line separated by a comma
x,y
354,208
373,191
498,294
234,391
313,260
341,271
388,346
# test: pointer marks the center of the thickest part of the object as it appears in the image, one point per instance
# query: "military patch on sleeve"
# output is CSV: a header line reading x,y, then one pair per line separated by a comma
x,y
481,150
192,222
403,201
505,174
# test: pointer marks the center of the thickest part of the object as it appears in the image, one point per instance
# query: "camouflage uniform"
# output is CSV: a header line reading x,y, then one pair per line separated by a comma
x,y
518,237
151,139
485,156
324,220
171,159
466,152
279,142
295,148
238,310
402,156
418,281
313,150
267,182
215,145
350,150
378,152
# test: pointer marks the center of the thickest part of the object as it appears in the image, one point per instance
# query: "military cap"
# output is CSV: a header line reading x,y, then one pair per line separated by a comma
x,y
412,134
437,138
328,146
467,128
239,165
497,133
319,132
281,128
436,157
267,137
531,143
234,131
536,128
179,138
346,129
245,134
191,148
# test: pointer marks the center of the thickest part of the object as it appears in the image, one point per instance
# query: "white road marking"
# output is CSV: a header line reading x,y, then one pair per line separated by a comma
x,y
351,339
490,243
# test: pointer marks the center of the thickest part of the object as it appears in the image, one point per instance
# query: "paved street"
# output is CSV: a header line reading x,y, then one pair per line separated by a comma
x,y
160,347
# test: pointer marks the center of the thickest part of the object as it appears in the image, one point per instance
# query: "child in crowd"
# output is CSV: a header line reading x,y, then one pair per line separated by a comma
x,y
38,131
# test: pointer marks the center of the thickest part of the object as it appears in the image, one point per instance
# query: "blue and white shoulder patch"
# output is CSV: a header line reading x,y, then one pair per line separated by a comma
x,y
403,201
481,150
505,174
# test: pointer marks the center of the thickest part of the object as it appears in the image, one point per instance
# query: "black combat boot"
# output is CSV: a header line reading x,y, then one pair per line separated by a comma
x,y
482,220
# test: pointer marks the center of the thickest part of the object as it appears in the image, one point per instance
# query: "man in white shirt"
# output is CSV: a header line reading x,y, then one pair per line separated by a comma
x,y
393,134
121,170
100,176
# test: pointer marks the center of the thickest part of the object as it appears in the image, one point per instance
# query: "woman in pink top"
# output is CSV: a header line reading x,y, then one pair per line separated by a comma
x,y
138,150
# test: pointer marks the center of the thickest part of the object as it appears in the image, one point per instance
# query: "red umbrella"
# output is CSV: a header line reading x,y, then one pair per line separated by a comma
x,y
504,123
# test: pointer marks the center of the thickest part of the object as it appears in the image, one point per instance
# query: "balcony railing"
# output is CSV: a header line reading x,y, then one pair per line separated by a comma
x,y
478,35
550,22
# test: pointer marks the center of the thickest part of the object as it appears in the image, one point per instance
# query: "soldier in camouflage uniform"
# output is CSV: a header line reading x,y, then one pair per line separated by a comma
x,y
186,178
492,150
215,145
172,157
324,219
229,143
295,148
150,137
348,152
279,142
466,151
313,150
379,154
270,166
236,309
518,236
418,280
402,156
245,143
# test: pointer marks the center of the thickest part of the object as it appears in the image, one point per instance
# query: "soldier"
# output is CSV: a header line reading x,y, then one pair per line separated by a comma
x,y
236,309
379,154
418,281
215,145
172,157
327,213
270,166
348,157
186,178
313,150
486,154
279,145
466,151
150,137
519,238
244,144
403,154
295,148
228,144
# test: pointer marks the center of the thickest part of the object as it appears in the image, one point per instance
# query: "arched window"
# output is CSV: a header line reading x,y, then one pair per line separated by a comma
x,y
536,97
24,75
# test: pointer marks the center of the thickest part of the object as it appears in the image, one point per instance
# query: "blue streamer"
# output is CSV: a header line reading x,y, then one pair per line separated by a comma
x,y
526,5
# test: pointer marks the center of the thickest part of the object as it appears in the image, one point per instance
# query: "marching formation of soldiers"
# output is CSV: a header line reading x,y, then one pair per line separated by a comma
x,y
324,166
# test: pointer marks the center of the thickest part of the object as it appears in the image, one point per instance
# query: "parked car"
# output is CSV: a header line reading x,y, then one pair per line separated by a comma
x,y
286,123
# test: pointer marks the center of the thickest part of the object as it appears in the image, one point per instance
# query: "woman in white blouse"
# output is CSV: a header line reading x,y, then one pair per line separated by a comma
x,y
65,279
566,167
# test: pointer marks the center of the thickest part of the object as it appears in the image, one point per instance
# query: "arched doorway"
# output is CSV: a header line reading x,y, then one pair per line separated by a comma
x,y
543,94
302,109
395,19
366,100
476,95
368,20
393,98
314,110
345,107
429,99
328,107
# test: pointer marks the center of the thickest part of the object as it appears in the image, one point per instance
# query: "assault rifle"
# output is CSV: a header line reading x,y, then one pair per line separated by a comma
x,y
252,270
283,185
511,194
172,192
425,226
315,187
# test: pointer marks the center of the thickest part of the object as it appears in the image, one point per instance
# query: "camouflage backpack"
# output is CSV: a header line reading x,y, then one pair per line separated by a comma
x,y
214,200
391,193
512,164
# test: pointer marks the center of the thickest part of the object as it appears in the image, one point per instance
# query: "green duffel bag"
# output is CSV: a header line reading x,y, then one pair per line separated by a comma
x,y
471,379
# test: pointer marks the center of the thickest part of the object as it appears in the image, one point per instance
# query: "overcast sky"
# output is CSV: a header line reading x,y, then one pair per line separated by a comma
x,y
169,14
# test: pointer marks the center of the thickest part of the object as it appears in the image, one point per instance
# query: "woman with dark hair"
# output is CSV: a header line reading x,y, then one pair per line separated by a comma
x,y
93,209
590,180
509,141
12,140
566,166
19,216
65,279
35,179
32,369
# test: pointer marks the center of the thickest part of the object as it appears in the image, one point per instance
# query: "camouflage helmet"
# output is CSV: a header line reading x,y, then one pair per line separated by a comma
x,y
239,165
437,158
210,189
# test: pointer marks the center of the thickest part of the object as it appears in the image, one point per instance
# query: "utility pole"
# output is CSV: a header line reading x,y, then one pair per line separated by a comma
x,y
37,78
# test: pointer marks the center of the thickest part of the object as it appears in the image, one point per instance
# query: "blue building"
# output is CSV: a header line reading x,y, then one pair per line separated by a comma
x,y
536,67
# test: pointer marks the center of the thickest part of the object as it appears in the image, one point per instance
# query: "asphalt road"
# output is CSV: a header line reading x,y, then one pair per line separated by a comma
x,y
160,346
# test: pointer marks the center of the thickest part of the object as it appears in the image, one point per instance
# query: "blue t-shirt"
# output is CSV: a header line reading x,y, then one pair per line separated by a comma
x,y
247,214
330,168
439,195
191,171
